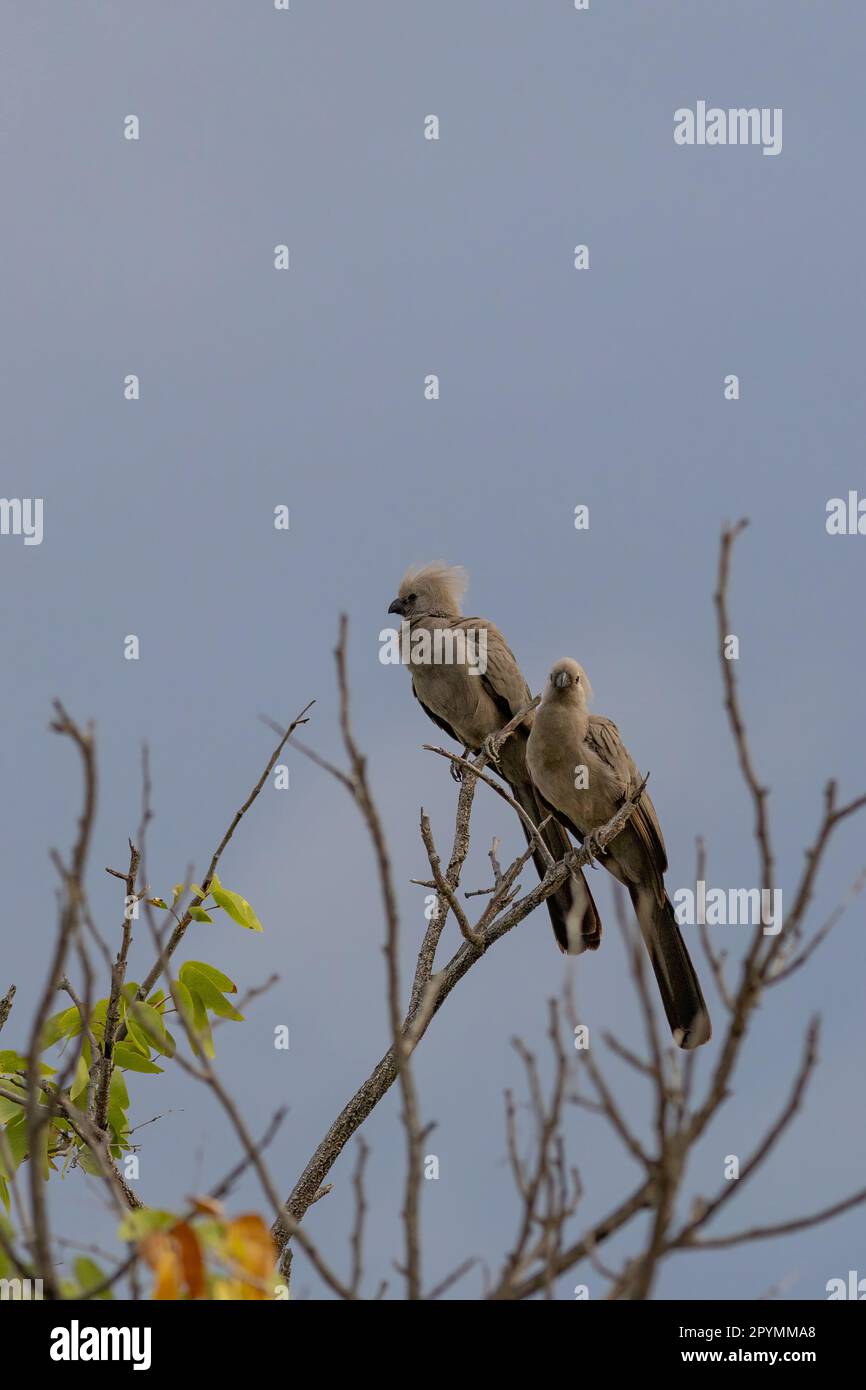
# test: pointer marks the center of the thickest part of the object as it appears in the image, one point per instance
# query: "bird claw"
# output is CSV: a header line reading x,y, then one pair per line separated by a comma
x,y
491,746
593,849
456,772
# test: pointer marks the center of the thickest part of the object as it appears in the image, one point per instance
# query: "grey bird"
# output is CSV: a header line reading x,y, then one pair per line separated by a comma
x,y
580,766
472,708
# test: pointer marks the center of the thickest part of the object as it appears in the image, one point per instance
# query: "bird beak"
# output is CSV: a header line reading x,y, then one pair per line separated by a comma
x,y
561,680
398,606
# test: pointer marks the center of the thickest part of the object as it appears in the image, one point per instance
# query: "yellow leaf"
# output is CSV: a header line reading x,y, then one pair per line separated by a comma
x,y
191,1260
161,1253
250,1245
207,1206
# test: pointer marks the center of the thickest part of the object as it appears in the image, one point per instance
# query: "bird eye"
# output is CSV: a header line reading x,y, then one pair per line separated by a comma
x,y
411,597
576,679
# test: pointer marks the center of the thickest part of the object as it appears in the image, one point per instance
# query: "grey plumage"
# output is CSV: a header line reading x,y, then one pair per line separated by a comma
x,y
564,738
472,708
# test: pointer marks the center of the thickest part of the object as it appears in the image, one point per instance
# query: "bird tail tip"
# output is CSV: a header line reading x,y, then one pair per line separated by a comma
x,y
699,1031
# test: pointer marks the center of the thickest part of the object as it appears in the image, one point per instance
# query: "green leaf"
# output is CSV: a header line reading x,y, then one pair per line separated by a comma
x,y
118,1095
118,1104
237,908
136,1037
156,998
88,1161
151,1024
158,902
119,1140
131,1060
97,1019
138,1224
80,1081
90,1276
203,987
182,999
12,1062
8,1108
44,1162
202,1026
210,972
198,914
199,892
16,1135
65,1024
191,1008
211,1234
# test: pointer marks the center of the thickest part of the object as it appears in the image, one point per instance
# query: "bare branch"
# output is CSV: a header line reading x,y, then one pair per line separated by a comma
x,y
6,1005
177,935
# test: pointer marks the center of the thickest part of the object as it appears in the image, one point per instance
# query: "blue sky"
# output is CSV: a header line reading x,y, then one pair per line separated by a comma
x,y
603,387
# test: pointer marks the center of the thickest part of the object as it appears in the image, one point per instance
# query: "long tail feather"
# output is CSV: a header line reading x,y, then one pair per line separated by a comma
x,y
677,979
573,914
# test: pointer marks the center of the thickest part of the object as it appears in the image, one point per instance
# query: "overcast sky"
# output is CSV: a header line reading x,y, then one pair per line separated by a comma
x,y
558,387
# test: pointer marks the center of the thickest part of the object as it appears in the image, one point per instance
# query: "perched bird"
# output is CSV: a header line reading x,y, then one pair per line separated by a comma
x,y
472,708
580,766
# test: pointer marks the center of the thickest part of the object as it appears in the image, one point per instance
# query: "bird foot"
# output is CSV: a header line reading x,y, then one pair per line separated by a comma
x,y
457,770
593,849
491,747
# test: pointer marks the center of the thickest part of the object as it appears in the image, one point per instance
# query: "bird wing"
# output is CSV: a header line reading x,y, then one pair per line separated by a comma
x,y
503,679
604,738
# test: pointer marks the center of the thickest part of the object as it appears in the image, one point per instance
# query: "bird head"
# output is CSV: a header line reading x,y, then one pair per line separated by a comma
x,y
568,681
433,589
